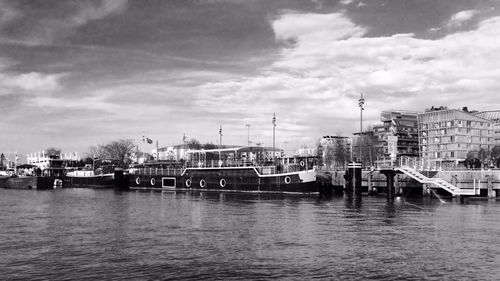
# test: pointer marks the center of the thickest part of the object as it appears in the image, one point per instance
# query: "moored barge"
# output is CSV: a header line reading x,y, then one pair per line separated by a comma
x,y
240,169
31,182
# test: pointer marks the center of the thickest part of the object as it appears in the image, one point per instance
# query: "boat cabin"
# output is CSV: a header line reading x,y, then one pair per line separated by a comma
x,y
250,156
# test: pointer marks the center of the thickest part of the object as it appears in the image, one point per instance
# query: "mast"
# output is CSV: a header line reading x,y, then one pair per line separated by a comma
x,y
274,129
220,136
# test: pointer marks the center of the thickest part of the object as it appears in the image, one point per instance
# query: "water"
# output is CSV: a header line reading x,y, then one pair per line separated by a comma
x,y
87,234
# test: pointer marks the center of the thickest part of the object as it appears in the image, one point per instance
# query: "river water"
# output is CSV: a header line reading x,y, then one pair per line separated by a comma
x,y
86,234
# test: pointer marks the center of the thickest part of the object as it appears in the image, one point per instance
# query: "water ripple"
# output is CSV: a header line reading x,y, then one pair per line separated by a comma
x,y
90,234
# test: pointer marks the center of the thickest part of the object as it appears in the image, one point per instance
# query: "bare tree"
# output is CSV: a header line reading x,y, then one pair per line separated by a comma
x,y
483,154
194,144
51,151
209,146
495,156
341,154
116,150
97,151
119,149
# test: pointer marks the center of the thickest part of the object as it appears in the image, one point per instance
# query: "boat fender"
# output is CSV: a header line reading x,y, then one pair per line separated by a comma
x,y
302,164
153,181
188,183
222,183
203,183
137,180
288,180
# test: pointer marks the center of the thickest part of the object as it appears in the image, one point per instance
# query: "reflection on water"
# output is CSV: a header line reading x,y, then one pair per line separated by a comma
x,y
103,234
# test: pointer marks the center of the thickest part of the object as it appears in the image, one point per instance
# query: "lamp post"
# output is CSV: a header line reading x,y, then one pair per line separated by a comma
x,y
248,133
274,129
361,103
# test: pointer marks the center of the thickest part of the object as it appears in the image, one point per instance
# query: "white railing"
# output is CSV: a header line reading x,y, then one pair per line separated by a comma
x,y
156,171
419,164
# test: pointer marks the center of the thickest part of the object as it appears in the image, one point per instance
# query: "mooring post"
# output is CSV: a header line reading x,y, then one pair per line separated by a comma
x,y
371,190
121,180
491,192
391,190
353,179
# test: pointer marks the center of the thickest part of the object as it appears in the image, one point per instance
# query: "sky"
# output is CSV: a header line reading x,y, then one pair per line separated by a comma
x,y
79,73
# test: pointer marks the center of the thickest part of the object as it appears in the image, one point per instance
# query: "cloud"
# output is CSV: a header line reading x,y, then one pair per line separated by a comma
x,y
32,81
58,20
319,76
35,82
89,12
314,28
346,2
460,18
312,85
7,13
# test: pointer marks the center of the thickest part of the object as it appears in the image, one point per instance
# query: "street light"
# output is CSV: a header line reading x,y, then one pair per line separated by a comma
x,y
361,103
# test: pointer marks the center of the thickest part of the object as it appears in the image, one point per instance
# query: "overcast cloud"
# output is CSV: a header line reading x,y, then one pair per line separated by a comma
x,y
79,73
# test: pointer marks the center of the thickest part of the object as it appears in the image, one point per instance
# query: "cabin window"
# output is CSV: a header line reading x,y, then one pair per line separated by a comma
x,y
168,182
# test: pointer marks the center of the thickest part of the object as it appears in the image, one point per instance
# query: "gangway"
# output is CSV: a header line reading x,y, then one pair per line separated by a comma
x,y
410,166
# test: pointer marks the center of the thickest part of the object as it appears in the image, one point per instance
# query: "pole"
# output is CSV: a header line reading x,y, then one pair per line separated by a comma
x,y
274,129
248,134
361,103
157,151
184,146
220,136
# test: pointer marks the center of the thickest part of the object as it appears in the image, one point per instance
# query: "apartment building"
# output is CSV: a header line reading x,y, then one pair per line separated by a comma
x,y
450,134
494,117
397,135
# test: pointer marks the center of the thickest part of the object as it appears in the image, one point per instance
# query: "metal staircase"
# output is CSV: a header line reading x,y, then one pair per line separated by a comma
x,y
453,190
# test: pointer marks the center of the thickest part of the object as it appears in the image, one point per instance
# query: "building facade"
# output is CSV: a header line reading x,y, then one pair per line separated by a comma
x,y
494,117
172,153
397,135
451,134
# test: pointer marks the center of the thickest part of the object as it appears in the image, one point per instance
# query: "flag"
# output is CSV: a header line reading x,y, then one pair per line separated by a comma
x,y
150,141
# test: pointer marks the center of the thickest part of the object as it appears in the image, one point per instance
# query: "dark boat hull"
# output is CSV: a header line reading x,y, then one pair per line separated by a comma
x,y
3,180
228,180
99,181
34,182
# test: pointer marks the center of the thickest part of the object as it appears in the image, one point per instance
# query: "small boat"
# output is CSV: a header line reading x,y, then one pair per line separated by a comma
x,y
239,169
3,178
31,182
91,179
28,176
101,177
